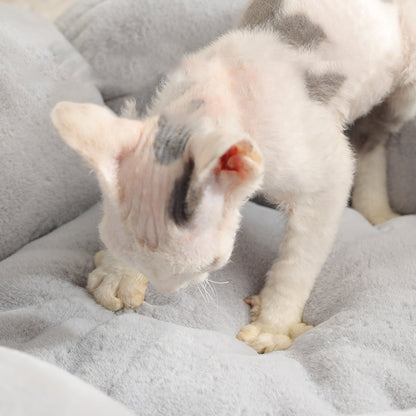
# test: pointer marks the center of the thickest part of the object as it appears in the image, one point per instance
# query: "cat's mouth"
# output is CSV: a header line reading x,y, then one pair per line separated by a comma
x,y
176,283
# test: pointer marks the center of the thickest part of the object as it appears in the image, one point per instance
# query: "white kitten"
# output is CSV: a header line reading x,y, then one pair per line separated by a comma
x,y
261,109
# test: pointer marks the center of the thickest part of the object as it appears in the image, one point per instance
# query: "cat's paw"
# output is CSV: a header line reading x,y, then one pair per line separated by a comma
x,y
116,286
265,339
273,336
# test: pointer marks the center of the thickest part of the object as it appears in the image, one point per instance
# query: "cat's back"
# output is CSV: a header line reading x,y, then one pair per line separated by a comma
x,y
361,38
308,24
333,30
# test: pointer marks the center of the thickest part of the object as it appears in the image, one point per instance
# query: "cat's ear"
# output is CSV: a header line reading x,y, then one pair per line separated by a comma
x,y
237,168
98,135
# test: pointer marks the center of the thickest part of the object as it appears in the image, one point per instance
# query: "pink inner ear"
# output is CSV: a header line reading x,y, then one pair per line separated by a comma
x,y
235,159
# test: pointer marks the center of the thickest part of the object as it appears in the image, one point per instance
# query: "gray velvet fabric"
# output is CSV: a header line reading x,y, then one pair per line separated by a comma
x,y
401,165
43,182
178,354
132,44
36,388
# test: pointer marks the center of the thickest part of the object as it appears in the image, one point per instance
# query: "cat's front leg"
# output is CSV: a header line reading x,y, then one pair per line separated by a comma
x,y
114,285
313,221
277,310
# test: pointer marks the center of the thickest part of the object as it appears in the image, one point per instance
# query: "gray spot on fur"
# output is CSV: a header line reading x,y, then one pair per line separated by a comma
x,y
170,141
196,104
184,199
297,30
323,87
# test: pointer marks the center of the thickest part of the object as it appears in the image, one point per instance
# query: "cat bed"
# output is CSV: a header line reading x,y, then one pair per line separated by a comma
x,y
176,354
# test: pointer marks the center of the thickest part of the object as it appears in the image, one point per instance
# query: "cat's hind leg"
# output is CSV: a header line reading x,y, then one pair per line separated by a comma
x,y
370,195
114,285
369,136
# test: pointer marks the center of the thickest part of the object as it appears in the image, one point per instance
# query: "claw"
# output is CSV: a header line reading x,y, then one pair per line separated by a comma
x,y
253,301
255,304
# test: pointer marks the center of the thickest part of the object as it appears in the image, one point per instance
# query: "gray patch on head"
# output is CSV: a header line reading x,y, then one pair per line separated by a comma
x,y
184,198
196,104
297,30
323,87
170,141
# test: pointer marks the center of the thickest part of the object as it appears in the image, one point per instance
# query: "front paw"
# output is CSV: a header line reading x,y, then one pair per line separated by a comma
x,y
267,339
116,286
271,337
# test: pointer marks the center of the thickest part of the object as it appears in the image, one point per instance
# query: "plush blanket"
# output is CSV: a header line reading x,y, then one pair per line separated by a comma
x,y
178,354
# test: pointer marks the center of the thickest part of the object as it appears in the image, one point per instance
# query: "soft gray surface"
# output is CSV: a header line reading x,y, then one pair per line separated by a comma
x,y
179,355
402,170
43,182
131,44
30,381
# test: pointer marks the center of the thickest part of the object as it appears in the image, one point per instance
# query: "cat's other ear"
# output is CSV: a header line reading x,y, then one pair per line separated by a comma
x,y
98,135
237,169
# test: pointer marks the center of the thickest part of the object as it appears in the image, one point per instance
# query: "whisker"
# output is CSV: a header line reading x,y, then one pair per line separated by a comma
x,y
200,291
218,283
203,293
213,292
204,283
210,288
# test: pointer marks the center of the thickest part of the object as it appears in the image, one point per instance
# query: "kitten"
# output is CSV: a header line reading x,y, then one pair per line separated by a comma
x,y
262,109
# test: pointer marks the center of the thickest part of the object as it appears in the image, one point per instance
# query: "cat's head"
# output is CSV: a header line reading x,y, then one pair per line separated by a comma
x,y
172,189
